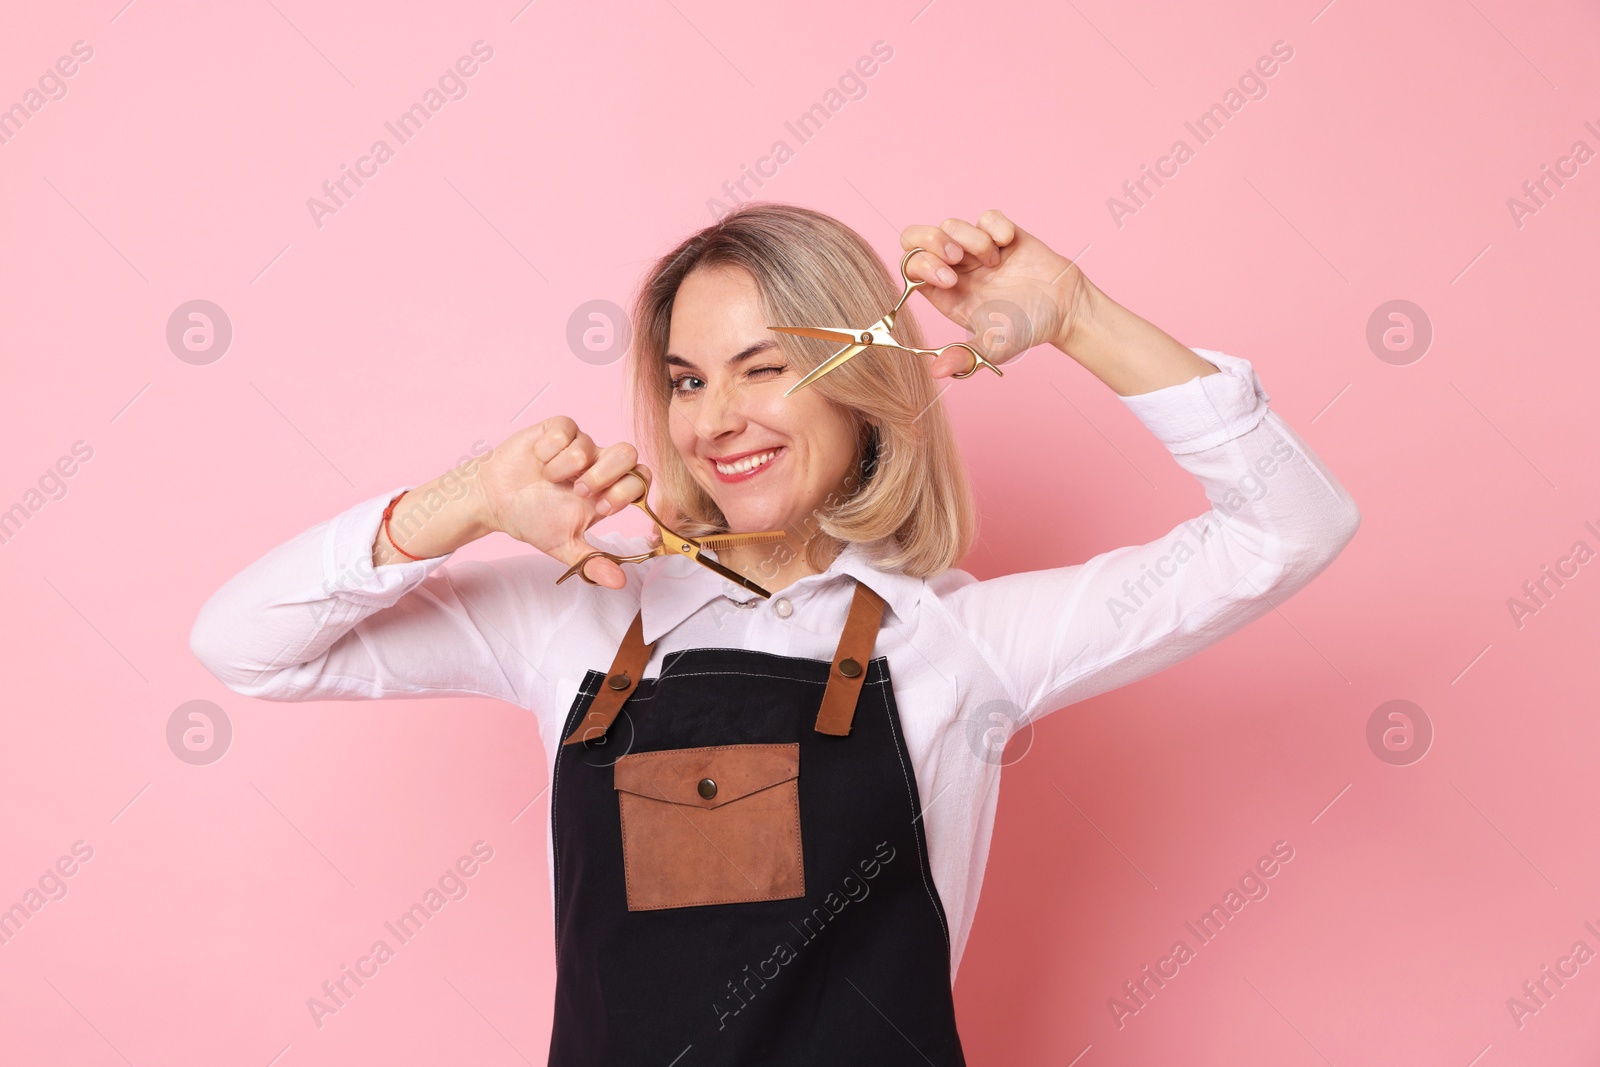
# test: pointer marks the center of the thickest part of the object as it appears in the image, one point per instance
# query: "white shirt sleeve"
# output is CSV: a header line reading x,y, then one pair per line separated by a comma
x,y
1278,518
313,619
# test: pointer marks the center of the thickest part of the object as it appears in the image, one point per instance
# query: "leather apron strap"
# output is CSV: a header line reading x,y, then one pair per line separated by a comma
x,y
621,680
839,700
850,661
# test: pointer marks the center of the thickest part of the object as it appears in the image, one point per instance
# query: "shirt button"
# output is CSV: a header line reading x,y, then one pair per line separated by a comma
x,y
783,607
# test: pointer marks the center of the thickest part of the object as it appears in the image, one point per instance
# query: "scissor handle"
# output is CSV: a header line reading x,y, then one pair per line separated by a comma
x,y
577,568
977,360
911,286
643,497
641,501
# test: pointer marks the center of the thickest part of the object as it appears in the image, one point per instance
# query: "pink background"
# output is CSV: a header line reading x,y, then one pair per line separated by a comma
x,y
431,312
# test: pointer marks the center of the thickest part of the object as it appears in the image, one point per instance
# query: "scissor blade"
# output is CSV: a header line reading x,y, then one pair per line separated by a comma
x,y
732,575
730,540
836,360
838,335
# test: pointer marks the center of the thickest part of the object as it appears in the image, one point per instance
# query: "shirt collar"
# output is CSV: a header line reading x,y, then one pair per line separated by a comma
x,y
674,588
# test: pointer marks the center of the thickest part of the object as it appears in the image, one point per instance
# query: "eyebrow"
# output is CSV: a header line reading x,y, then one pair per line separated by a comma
x,y
753,350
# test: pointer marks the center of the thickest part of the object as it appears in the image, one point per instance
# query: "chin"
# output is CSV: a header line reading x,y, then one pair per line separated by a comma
x,y
744,520
753,516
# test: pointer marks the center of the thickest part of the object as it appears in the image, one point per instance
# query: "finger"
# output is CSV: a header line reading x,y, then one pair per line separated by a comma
x,y
622,491
925,267
572,460
598,568
933,239
605,572
954,361
554,434
942,250
998,227
977,242
612,462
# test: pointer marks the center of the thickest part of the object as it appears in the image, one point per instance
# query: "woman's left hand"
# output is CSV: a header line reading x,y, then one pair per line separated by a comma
x,y
1004,285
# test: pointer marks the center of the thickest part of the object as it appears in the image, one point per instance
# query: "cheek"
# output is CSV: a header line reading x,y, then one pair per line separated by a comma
x,y
812,420
841,438
843,453
679,430
830,442
773,418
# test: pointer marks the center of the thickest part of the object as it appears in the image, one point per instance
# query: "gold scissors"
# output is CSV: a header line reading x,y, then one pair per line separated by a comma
x,y
876,336
675,544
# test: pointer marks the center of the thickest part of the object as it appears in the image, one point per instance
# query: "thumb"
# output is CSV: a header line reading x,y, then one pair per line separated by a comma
x,y
597,568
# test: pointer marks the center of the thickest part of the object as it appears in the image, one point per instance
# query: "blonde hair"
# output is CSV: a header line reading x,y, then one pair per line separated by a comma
x,y
909,489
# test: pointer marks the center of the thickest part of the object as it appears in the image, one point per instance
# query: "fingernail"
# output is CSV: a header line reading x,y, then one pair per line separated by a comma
x,y
946,275
953,251
604,507
580,489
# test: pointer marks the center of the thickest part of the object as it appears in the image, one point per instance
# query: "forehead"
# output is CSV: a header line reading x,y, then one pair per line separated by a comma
x,y
715,308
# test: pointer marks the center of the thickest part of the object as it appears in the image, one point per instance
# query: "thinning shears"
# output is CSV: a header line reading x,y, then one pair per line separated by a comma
x,y
876,336
675,544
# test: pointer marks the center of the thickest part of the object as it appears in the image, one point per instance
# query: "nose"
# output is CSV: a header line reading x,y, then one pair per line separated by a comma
x,y
721,412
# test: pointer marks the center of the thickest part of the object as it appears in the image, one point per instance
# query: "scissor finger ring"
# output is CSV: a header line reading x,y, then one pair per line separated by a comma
x,y
977,361
906,259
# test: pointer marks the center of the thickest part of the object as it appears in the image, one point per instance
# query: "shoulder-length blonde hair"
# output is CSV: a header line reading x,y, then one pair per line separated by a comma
x,y
909,489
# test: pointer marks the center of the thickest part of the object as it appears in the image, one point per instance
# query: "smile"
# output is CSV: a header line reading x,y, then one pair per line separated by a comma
x,y
746,466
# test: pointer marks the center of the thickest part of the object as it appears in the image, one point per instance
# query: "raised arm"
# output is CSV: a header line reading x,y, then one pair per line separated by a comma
x,y
1277,519
1278,516
340,612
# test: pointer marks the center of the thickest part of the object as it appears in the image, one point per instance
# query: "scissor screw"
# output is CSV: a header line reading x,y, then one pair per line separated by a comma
x,y
866,338
684,549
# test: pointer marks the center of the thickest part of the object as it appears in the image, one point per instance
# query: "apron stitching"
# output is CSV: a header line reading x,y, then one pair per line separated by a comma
x,y
673,656
915,837
747,674
746,651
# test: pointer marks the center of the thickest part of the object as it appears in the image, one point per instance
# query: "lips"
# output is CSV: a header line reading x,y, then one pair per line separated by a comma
x,y
745,465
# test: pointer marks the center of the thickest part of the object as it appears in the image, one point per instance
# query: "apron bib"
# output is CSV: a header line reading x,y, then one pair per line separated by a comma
x,y
741,872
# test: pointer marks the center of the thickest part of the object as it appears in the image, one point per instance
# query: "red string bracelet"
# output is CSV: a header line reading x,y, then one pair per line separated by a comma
x,y
389,511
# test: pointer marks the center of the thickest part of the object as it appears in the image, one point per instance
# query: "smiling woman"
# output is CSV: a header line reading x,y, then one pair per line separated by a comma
x,y
716,776
864,455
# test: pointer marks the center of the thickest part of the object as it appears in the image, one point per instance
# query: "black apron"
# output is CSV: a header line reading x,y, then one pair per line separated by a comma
x,y
741,873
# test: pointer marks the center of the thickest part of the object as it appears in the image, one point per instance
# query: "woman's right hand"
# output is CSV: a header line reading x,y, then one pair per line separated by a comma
x,y
548,483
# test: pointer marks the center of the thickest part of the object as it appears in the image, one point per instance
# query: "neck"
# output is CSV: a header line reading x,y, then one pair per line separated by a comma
x,y
774,567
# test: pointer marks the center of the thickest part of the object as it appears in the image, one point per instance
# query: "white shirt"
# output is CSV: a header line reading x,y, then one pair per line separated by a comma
x,y
971,662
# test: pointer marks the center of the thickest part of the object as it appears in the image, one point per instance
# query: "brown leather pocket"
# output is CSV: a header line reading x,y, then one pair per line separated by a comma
x,y
716,825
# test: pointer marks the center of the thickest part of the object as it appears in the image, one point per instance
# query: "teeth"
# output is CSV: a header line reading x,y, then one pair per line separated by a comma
x,y
748,463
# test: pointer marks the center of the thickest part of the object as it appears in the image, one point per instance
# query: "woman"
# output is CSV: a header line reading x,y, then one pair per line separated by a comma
x,y
764,847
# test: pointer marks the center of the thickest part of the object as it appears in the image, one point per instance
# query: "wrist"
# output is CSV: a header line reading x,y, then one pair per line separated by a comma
x,y
387,547
1126,352
478,516
431,520
1084,310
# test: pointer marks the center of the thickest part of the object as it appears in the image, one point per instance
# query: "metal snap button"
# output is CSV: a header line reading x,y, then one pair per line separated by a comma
x,y
708,788
620,680
783,607
849,668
